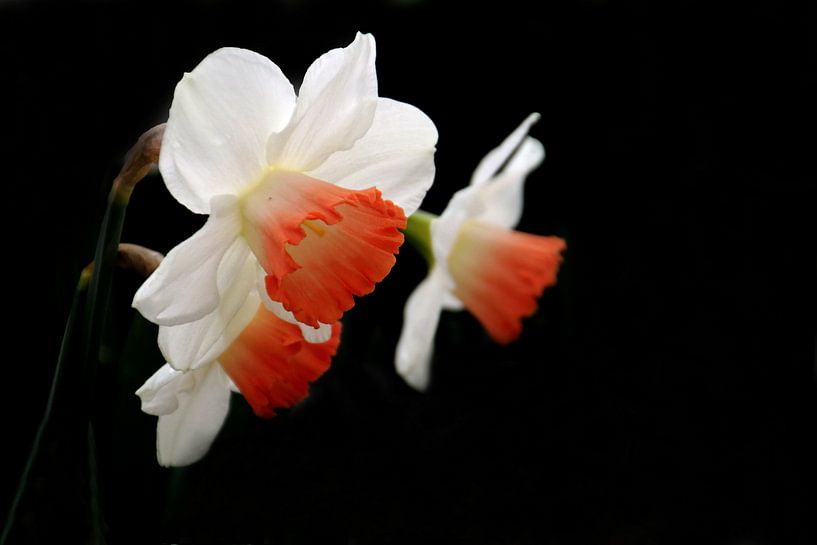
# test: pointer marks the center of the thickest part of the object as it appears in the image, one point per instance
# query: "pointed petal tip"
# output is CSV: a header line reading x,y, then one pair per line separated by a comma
x,y
367,36
490,165
414,373
417,384
421,316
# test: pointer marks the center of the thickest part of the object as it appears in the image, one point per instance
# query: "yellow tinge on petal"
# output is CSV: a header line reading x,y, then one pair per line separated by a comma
x,y
499,273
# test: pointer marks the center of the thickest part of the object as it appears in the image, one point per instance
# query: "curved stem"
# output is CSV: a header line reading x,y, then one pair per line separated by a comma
x,y
82,286
96,280
100,287
140,159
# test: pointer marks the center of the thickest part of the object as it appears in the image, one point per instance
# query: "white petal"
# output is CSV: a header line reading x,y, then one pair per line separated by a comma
x,y
185,435
233,387
190,345
357,60
336,105
445,229
273,306
222,116
503,197
237,259
496,158
317,335
311,335
420,319
183,288
479,199
396,155
450,302
159,392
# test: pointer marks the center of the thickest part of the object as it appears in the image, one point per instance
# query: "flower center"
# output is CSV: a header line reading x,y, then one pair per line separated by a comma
x,y
499,274
272,365
314,227
320,244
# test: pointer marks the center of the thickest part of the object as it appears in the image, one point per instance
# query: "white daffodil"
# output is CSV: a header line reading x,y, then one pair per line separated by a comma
x,y
241,345
312,188
479,262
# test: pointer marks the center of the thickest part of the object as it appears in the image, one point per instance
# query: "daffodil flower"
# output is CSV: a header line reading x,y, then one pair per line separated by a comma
x,y
240,346
478,261
313,188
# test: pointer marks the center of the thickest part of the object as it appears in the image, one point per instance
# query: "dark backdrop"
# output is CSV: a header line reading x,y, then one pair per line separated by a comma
x,y
665,391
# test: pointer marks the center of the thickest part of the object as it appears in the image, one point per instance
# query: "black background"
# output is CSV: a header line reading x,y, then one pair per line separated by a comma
x,y
665,391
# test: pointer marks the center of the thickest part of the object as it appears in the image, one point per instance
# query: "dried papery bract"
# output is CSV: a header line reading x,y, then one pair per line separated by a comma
x,y
143,261
139,160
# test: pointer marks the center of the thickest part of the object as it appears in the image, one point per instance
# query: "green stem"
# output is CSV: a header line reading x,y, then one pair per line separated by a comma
x,y
418,233
82,286
99,290
97,281
96,310
141,157
97,522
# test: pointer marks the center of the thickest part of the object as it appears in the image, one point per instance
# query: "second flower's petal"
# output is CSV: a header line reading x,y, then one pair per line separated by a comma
x,y
396,154
185,435
336,105
222,116
190,345
184,286
320,244
420,319
503,198
451,303
499,274
272,366
445,229
491,163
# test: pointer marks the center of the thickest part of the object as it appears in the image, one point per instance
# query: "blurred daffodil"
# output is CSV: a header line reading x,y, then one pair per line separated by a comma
x,y
313,188
478,261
